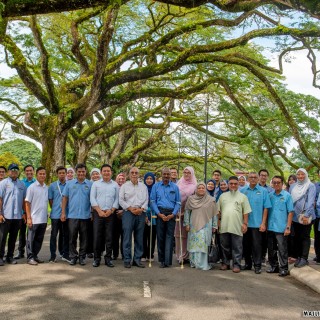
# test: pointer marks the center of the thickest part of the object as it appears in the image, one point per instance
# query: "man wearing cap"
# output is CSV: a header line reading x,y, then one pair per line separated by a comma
x,y
28,181
12,194
3,171
37,216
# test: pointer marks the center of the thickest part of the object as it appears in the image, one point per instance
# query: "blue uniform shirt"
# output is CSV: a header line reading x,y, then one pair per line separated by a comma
x,y
55,194
317,184
259,200
78,198
12,192
27,182
282,205
165,196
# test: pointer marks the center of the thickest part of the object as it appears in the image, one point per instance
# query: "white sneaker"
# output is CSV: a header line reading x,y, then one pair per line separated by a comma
x,y
143,260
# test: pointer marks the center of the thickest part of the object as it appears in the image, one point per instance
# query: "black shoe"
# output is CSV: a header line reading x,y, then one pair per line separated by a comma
x,y
96,263
297,262
246,267
11,261
52,260
257,270
19,256
273,270
127,265
1,262
38,260
65,258
162,265
73,262
283,273
138,264
90,255
82,261
108,263
302,263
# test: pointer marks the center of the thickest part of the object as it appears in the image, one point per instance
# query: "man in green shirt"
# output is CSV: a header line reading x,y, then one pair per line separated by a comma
x,y
233,207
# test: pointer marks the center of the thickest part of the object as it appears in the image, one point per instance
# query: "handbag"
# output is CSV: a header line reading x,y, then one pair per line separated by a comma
x,y
213,255
301,215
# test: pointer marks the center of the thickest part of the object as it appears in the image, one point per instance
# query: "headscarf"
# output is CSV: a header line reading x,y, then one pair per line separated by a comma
x,y
301,187
70,169
94,170
220,192
187,187
118,176
203,208
211,192
244,177
149,174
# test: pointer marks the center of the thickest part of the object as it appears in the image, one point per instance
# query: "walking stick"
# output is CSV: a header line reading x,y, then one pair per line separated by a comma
x,y
152,217
180,236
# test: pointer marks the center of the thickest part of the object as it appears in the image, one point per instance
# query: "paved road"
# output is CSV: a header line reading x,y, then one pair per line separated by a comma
x,y
60,291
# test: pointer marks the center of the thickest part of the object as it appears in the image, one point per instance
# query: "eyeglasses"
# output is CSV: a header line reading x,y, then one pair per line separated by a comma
x,y
252,177
134,172
277,182
233,184
14,169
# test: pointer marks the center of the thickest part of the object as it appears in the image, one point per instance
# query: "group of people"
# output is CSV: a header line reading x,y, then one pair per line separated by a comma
x,y
248,219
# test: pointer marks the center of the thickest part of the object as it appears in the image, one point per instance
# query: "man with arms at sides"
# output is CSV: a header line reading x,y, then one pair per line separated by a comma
x,y
77,195
37,216
104,198
57,226
12,195
3,171
174,175
257,224
165,202
133,198
233,207
279,224
28,181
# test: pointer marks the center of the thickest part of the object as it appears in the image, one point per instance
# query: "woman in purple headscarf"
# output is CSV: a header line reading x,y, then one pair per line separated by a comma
x,y
187,186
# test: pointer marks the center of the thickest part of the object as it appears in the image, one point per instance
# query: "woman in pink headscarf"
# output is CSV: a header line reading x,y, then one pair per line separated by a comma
x,y
187,186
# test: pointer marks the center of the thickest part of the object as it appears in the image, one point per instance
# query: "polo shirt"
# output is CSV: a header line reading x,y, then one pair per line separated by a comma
x,y
55,194
105,195
78,194
12,193
37,196
259,200
28,183
282,205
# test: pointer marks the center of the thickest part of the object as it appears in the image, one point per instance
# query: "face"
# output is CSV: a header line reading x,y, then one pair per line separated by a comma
x,y
301,175
165,176
134,175
2,173
216,176
95,176
291,181
41,176
29,172
201,190
174,174
242,182
224,186
277,184
81,174
14,174
121,180
210,186
149,181
106,173
187,174
263,177
233,185
70,175
62,175
253,179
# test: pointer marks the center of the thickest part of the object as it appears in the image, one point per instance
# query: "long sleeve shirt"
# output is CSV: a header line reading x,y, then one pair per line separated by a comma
x,y
104,195
133,195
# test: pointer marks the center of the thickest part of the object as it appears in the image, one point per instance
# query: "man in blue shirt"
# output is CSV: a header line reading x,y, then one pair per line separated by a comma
x,y
28,181
104,198
279,225
165,202
12,195
3,171
257,224
77,195
57,226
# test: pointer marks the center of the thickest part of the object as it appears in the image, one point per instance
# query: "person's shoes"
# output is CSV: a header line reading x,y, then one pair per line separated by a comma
x,y
38,260
162,265
11,261
224,267
32,262
246,267
1,262
20,255
236,270
302,263
82,261
90,255
264,262
114,258
297,262
108,263
143,259
315,259
52,260
96,263
291,260
73,262
127,265
66,259
138,264
257,270
273,270
283,273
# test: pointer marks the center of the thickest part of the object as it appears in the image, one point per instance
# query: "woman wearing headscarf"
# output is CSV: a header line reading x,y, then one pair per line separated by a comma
x,y
198,219
210,187
149,180
70,174
303,195
242,182
223,187
117,223
187,186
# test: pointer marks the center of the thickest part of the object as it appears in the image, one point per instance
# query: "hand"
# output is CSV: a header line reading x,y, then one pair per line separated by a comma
x,y
287,232
262,227
107,213
2,219
162,216
24,218
244,228
63,217
101,213
187,228
305,220
29,222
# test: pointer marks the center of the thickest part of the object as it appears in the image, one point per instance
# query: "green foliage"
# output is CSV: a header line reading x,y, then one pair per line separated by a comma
x,y
6,158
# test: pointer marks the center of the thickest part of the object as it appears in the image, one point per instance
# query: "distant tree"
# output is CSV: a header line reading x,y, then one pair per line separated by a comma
x,y
7,158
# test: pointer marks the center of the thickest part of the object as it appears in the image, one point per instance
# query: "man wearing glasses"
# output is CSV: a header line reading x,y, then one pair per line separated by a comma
x,y
133,198
12,195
